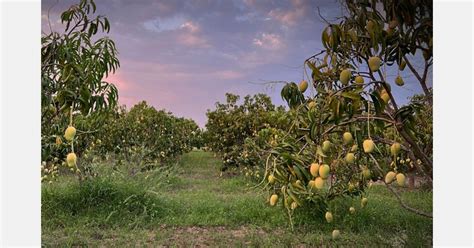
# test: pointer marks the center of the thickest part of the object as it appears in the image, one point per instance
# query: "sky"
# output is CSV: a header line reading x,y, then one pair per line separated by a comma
x,y
183,56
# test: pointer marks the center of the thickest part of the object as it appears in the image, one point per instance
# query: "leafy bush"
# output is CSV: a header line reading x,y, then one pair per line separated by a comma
x,y
231,127
158,135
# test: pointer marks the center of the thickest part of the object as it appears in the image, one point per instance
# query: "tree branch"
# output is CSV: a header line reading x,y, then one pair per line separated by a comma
x,y
388,91
410,154
357,118
427,163
399,198
422,80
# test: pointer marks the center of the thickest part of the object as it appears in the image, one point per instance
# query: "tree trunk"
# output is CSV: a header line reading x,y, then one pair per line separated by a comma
x,y
411,181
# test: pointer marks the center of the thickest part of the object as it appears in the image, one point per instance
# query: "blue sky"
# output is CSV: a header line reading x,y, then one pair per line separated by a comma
x,y
183,56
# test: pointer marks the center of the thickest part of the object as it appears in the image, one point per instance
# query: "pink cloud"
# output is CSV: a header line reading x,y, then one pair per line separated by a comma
x,y
269,41
190,35
192,40
191,26
290,17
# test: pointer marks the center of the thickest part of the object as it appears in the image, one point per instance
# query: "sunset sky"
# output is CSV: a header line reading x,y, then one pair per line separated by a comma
x,y
183,56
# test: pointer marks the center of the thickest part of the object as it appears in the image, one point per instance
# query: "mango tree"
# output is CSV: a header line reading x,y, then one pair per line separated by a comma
x,y
73,65
353,131
143,137
231,127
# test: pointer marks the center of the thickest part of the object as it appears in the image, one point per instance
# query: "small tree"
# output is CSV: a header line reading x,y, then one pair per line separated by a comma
x,y
73,65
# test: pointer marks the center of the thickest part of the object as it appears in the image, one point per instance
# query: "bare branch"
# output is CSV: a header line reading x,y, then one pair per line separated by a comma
x,y
322,18
422,80
49,22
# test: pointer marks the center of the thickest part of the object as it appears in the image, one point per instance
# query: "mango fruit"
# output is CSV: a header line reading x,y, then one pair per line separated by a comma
x,y
314,169
350,158
303,86
324,171
368,145
329,217
374,63
271,179
71,159
399,81
345,76
359,80
70,133
395,149
401,179
385,96
354,148
347,138
352,210
389,177
273,199
326,146
319,183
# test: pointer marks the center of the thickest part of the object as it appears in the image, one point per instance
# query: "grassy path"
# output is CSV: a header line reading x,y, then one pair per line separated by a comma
x,y
194,206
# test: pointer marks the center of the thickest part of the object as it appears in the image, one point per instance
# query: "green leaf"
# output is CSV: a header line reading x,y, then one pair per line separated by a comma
x,y
350,95
377,102
319,151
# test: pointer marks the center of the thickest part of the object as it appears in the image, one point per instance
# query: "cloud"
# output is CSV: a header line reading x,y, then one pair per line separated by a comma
x,y
292,16
184,32
191,36
191,26
288,18
164,24
192,40
269,41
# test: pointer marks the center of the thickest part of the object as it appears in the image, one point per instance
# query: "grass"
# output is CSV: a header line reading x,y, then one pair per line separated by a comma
x,y
192,205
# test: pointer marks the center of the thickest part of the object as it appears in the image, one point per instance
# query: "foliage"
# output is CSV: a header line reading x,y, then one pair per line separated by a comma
x,y
74,95
424,124
159,134
73,65
231,127
365,108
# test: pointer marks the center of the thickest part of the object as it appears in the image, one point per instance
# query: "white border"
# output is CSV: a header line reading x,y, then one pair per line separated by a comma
x,y
472,121
20,58
19,80
453,120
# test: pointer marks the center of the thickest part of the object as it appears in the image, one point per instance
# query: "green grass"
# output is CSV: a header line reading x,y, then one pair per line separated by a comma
x,y
193,205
